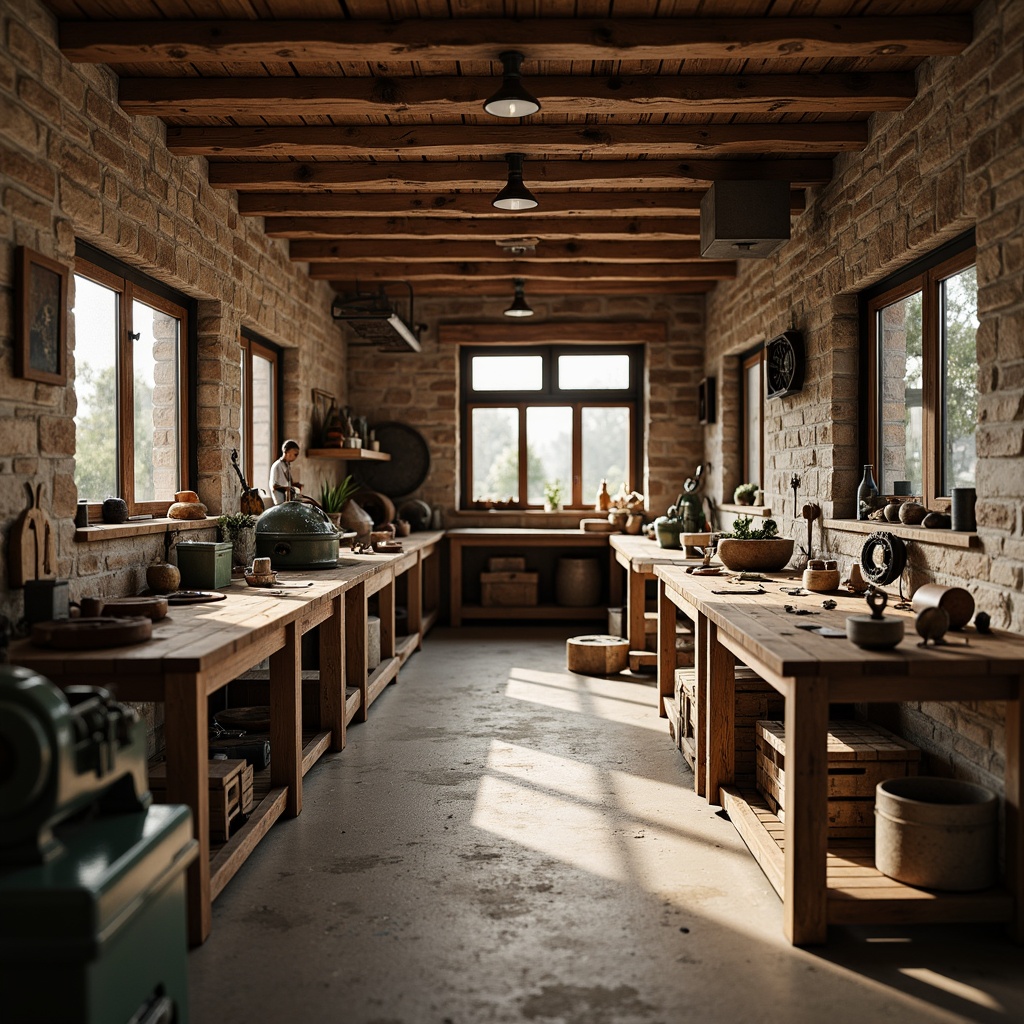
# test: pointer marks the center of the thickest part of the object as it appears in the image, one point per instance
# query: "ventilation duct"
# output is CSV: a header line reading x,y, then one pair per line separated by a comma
x,y
744,219
376,319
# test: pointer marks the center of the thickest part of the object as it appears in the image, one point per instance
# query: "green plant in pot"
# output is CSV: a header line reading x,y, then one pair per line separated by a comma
x,y
553,496
745,494
754,548
240,530
334,496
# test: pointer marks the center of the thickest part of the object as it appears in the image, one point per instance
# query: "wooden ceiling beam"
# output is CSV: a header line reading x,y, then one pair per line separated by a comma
x,y
441,251
705,270
489,176
467,205
327,142
602,228
171,41
438,96
501,288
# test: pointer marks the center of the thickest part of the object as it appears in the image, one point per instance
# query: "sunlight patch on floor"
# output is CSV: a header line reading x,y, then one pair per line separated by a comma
x,y
952,986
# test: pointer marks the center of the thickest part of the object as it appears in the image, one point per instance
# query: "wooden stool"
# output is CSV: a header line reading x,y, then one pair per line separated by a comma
x,y
597,654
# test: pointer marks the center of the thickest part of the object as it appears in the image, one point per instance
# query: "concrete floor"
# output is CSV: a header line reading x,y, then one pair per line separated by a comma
x,y
504,841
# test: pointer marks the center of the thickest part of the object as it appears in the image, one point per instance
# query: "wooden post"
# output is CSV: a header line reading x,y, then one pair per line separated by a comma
x,y
356,641
414,600
805,903
700,690
1014,816
666,648
286,719
720,700
455,580
614,578
386,609
332,674
186,729
636,609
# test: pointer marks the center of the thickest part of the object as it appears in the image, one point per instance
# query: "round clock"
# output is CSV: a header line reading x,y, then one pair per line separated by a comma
x,y
784,365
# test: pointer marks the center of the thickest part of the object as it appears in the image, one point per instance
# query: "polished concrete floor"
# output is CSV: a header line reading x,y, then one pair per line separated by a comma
x,y
504,841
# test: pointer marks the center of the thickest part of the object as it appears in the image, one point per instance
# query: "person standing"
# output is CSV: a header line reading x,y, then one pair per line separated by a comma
x,y
282,486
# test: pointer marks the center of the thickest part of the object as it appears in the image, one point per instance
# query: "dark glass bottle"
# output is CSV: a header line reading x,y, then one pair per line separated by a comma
x,y
866,493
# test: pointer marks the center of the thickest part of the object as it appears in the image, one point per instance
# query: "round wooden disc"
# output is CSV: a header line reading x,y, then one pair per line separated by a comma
x,y
154,608
91,634
597,654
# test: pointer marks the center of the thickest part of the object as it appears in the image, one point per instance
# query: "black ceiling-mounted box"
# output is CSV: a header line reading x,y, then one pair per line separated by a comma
x,y
744,219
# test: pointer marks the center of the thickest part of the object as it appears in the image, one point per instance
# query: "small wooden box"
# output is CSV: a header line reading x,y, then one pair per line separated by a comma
x,y
860,755
755,699
508,589
506,563
227,782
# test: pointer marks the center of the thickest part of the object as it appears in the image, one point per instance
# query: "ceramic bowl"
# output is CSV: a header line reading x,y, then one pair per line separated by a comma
x,y
755,555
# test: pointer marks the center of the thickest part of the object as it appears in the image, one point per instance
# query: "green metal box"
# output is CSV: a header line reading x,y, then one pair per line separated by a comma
x,y
204,564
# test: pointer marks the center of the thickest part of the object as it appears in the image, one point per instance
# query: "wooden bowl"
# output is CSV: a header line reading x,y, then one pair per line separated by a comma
x,y
755,555
260,579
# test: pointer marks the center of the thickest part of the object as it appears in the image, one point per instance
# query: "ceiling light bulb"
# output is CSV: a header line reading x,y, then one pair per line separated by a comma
x,y
515,195
512,99
519,307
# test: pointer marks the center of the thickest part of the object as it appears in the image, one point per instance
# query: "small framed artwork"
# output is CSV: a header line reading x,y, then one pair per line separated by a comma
x,y
41,318
706,400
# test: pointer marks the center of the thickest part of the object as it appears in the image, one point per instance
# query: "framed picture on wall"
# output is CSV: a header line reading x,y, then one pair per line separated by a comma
x,y
706,400
41,318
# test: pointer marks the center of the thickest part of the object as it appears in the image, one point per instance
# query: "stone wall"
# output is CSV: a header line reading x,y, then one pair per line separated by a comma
x,y
74,166
421,389
951,161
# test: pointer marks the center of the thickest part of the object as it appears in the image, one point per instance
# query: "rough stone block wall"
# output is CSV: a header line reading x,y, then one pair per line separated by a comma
x,y
74,166
421,389
953,160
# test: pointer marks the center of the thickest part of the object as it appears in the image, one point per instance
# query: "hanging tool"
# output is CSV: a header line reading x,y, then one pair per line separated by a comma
x,y
251,504
810,512
33,547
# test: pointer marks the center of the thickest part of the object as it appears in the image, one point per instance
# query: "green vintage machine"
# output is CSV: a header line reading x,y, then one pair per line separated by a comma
x,y
92,877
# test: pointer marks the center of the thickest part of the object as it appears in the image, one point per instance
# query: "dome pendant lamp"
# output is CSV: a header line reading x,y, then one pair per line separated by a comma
x,y
512,100
515,195
519,307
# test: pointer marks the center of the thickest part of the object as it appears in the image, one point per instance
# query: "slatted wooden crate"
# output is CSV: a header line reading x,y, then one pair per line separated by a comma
x,y
227,783
508,589
755,700
860,755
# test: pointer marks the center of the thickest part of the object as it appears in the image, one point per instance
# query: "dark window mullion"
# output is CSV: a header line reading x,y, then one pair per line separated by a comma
x,y
126,398
524,491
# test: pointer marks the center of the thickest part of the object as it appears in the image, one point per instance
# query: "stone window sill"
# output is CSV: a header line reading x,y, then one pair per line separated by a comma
x,y
746,510
139,528
941,538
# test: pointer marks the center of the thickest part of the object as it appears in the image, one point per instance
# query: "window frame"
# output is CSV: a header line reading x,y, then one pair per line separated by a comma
x,y
926,276
252,344
130,286
550,394
754,356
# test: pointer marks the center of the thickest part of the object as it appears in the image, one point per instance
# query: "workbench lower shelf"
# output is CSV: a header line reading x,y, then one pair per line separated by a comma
x,y
858,893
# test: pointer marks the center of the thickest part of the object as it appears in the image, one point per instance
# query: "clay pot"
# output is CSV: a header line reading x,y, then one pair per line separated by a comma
x,y
756,555
912,513
163,578
892,511
114,510
402,528
355,519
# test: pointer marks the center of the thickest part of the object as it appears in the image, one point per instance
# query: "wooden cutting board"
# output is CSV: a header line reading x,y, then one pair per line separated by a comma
x,y
154,608
32,548
91,634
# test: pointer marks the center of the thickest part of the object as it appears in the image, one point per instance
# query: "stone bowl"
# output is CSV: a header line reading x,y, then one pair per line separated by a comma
x,y
755,555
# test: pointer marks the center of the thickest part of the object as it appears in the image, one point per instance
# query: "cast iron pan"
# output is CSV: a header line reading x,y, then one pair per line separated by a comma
x,y
409,465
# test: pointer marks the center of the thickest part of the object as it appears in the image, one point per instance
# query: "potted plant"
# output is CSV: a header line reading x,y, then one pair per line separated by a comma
x,y
240,530
334,496
757,549
553,496
745,494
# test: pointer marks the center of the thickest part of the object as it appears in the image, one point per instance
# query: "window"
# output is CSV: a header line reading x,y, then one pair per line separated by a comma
x,y
131,379
752,389
540,415
923,368
258,427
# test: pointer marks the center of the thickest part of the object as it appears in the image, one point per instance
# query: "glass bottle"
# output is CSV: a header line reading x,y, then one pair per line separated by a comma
x,y
866,493
603,502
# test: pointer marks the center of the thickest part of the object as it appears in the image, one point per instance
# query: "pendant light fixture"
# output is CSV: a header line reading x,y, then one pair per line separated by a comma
x,y
512,100
519,307
515,195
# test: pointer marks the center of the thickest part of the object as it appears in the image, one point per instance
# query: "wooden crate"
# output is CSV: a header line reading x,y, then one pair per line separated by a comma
x,y
506,563
227,784
755,699
508,589
860,755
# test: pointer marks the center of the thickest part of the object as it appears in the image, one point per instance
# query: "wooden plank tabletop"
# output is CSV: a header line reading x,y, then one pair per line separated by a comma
x,y
525,534
643,554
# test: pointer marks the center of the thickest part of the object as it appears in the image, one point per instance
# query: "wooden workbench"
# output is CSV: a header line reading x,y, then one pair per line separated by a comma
x,y
638,556
824,883
505,541
198,649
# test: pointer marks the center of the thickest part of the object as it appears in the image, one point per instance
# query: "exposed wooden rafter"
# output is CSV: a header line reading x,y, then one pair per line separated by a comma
x,y
443,251
501,287
705,270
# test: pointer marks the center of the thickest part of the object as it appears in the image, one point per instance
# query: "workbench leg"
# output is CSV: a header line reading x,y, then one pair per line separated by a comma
x,y
386,611
700,689
414,601
186,731
805,898
720,714
356,641
666,648
1014,816
332,674
286,720
614,579
432,582
636,611
455,582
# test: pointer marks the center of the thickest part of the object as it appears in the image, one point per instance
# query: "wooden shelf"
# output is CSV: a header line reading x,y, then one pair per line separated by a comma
x,y
347,453
858,893
384,673
405,646
536,611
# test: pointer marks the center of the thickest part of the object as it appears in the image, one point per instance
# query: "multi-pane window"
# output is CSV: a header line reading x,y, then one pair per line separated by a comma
x,y
258,427
533,417
923,370
131,386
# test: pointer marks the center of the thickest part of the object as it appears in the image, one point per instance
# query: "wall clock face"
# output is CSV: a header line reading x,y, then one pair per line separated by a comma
x,y
784,365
